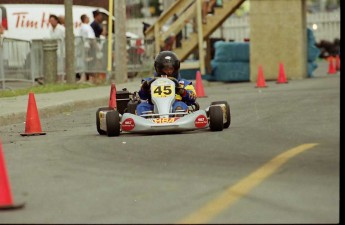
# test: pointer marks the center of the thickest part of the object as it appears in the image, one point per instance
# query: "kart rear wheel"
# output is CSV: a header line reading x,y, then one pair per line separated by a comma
x,y
227,113
113,123
216,118
98,123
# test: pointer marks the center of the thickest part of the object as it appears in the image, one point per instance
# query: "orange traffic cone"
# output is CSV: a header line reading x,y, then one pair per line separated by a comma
x,y
337,62
112,98
281,76
331,67
199,88
32,124
6,201
261,79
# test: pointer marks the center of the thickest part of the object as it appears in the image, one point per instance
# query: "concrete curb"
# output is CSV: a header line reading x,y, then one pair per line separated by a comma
x,y
45,112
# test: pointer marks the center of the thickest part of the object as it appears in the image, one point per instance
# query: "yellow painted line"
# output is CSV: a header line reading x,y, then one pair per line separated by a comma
x,y
235,192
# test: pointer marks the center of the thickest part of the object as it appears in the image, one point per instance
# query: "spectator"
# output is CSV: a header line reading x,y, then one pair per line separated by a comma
x,y
172,38
57,31
88,36
97,23
86,30
328,48
207,7
61,19
145,27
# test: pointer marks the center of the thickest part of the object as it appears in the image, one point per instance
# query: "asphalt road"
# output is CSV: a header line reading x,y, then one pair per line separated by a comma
x,y
74,175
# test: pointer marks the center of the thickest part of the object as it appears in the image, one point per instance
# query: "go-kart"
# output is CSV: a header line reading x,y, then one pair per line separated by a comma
x,y
123,118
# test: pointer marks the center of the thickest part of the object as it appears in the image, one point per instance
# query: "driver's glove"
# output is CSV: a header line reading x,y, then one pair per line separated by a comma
x,y
181,91
192,96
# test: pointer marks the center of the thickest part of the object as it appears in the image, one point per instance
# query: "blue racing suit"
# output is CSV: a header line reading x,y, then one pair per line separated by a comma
x,y
187,98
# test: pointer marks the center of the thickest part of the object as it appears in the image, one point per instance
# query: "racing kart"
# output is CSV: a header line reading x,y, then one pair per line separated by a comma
x,y
123,118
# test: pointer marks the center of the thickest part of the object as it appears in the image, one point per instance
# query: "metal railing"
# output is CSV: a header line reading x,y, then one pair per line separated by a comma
x,y
24,60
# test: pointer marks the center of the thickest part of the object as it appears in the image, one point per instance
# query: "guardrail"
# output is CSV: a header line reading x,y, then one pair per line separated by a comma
x,y
23,61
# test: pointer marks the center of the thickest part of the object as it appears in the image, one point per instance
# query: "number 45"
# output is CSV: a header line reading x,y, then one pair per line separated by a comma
x,y
166,90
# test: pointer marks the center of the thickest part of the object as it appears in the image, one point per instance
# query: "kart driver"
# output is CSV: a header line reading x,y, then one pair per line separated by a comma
x,y
167,63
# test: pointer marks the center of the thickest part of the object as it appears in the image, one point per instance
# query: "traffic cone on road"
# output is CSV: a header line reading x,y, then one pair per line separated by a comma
x,y
32,124
281,76
199,88
6,200
337,62
261,78
112,98
331,67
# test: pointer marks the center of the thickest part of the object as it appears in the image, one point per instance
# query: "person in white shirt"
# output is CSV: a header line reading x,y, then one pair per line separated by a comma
x,y
57,31
87,33
86,30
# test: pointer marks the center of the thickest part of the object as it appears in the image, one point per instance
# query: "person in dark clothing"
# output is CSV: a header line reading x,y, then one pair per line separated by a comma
x,y
145,27
97,23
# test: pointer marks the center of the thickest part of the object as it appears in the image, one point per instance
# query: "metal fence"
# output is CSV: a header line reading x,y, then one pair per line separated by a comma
x,y
23,60
15,61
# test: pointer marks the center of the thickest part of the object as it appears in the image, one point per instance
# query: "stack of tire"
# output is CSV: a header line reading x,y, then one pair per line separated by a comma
x,y
313,52
231,61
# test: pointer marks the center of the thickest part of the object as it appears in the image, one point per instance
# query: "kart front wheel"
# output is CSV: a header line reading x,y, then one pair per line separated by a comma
x,y
227,112
113,123
216,118
98,122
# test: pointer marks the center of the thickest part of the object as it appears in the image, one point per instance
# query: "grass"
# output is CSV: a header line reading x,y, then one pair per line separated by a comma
x,y
48,88
43,89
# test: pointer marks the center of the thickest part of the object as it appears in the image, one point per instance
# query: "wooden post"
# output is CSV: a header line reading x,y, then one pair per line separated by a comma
x,y
110,39
120,42
208,56
50,47
200,37
69,43
157,38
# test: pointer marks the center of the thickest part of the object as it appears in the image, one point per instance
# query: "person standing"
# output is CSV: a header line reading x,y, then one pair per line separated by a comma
x,y
88,36
97,23
86,30
98,50
57,31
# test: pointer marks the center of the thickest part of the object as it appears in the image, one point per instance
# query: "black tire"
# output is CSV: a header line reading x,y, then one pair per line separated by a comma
x,y
98,123
228,114
113,123
216,118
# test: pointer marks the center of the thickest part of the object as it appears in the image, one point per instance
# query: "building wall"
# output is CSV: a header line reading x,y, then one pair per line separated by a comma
x,y
98,3
278,34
